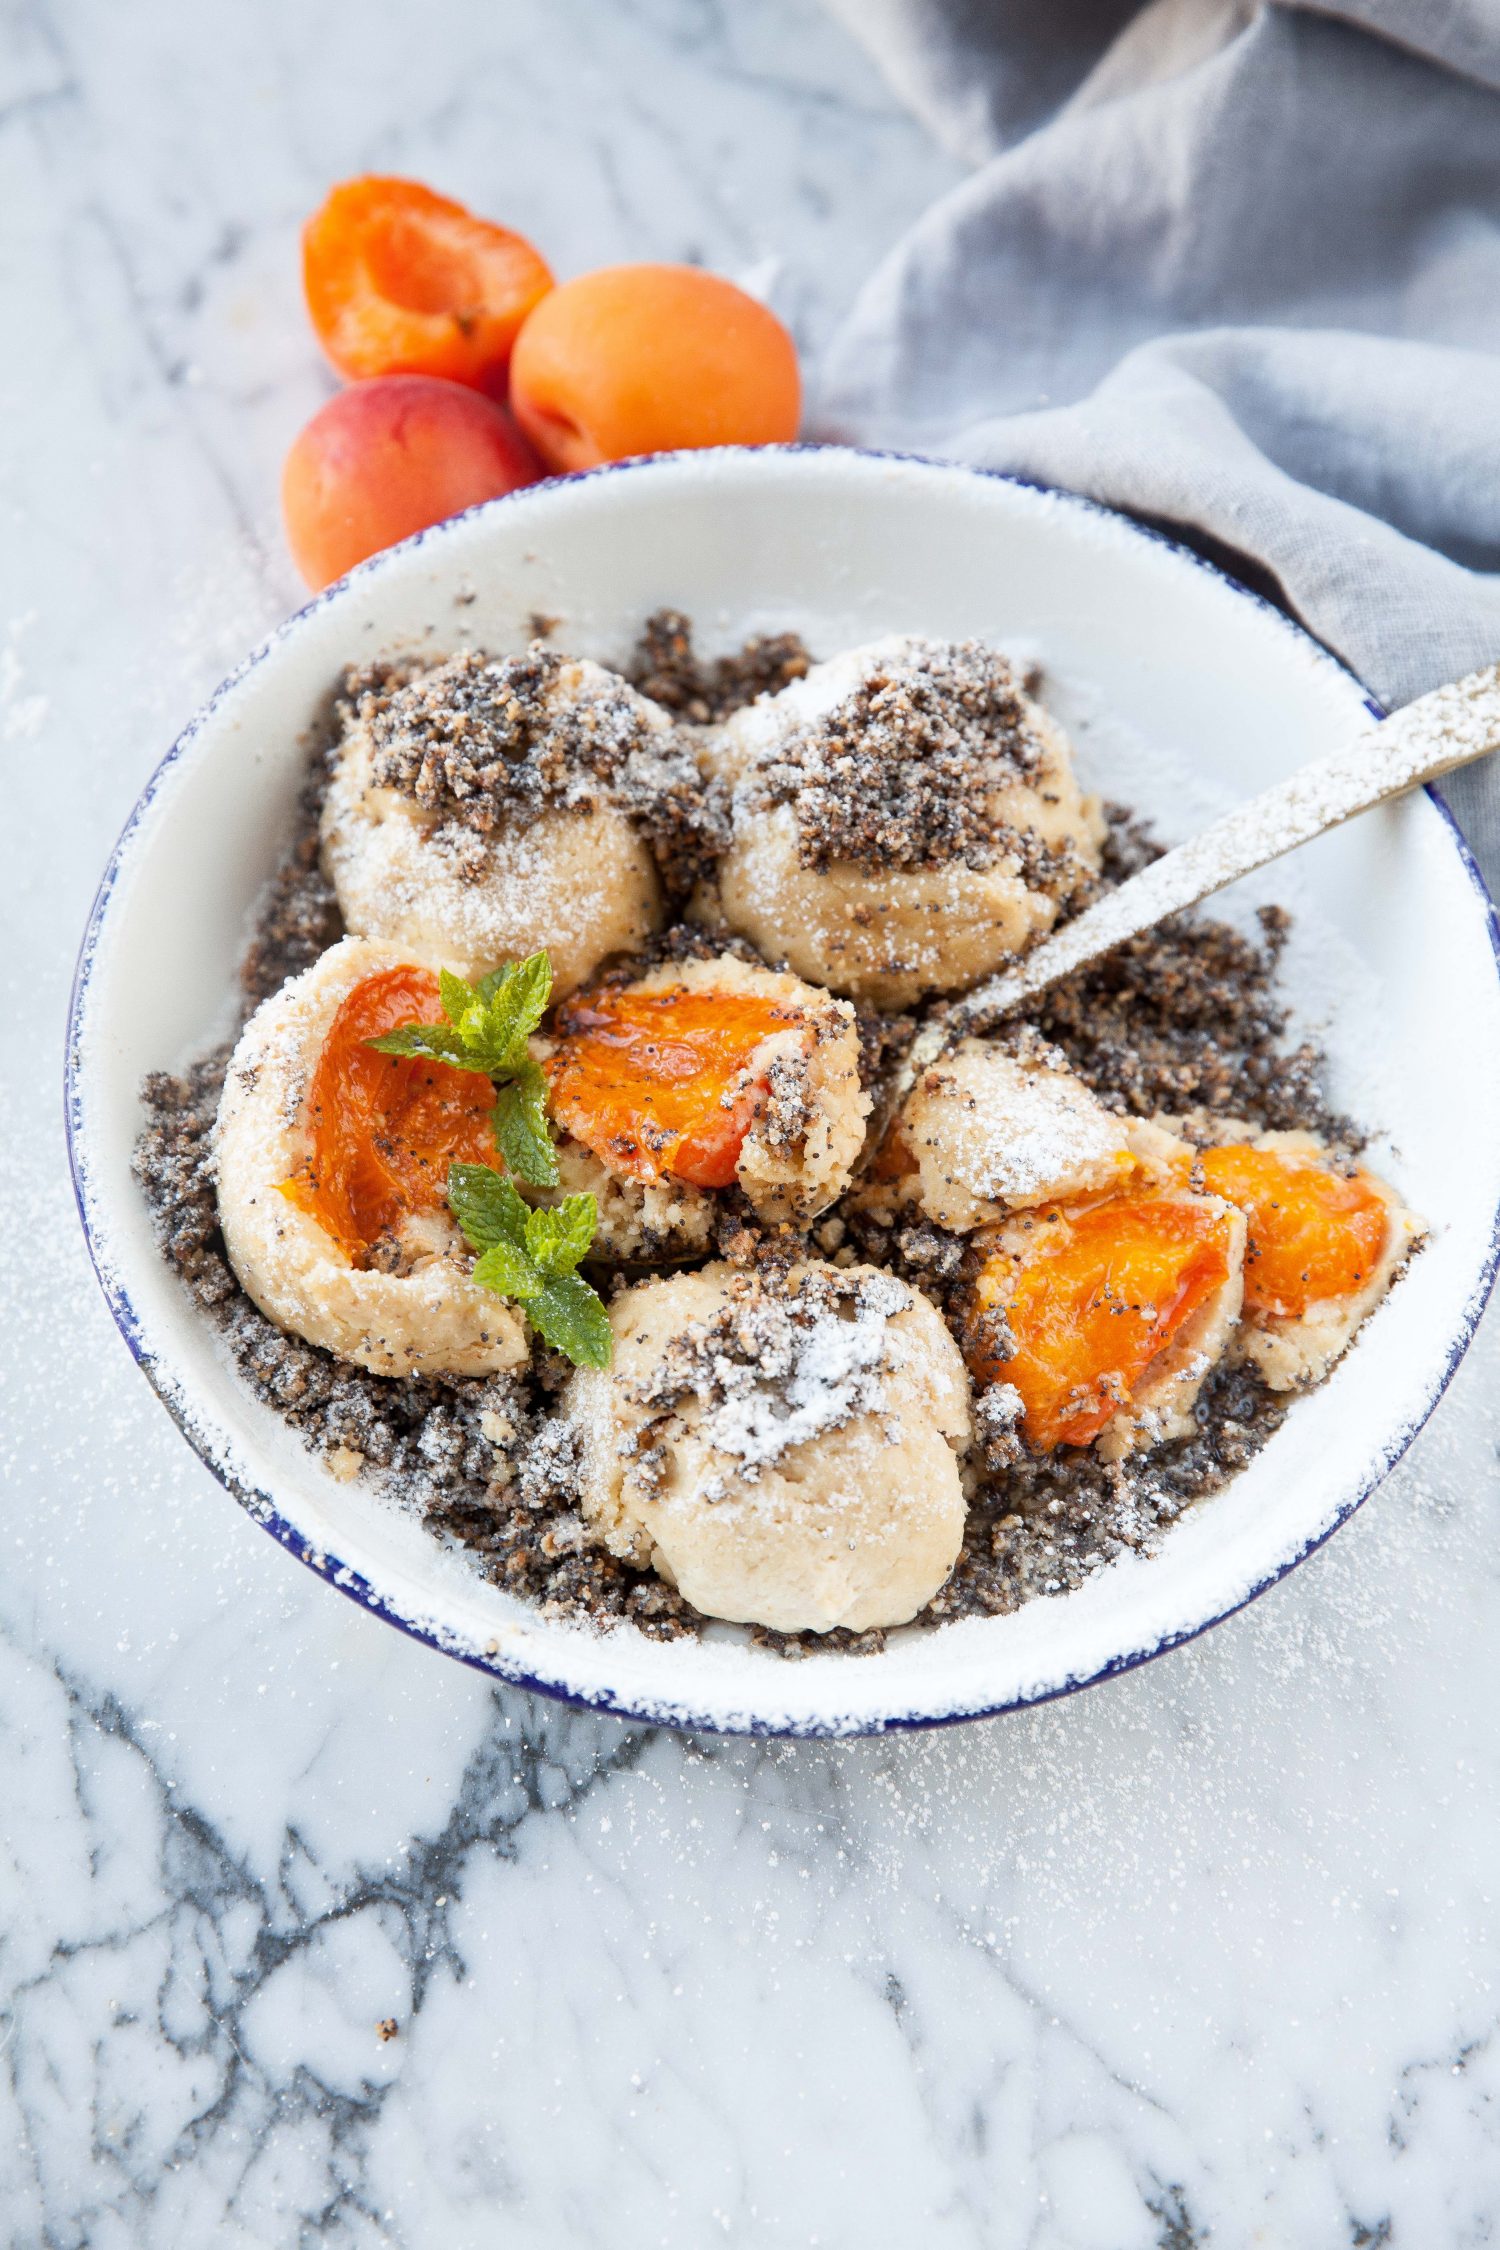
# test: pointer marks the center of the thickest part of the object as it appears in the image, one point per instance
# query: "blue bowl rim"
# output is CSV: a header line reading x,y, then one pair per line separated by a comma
x,y
261,1505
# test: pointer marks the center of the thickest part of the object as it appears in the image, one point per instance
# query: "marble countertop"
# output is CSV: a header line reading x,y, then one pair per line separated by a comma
x,y
311,1936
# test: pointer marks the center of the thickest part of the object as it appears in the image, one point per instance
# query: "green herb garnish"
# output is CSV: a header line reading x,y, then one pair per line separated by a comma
x,y
487,1028
531,1256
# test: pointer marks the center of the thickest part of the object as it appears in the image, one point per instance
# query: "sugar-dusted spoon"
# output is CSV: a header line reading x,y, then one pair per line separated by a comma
x,y
1450,727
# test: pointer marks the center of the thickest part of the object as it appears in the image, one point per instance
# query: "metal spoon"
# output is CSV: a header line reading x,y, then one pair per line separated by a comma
x,y
1450,727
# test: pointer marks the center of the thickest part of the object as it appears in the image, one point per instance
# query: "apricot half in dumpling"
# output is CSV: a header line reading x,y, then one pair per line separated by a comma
x,y
704,1075
1106,1316
1325,1241
485,810
904,820
332,1164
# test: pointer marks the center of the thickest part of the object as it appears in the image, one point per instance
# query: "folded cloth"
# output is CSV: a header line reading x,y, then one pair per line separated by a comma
x,y
1233,268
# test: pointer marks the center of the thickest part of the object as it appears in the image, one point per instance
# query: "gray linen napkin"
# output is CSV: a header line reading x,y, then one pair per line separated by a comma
x,y
1234,268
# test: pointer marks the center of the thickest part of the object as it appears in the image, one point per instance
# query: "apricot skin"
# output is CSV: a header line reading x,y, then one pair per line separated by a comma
x,y
646,358
388,457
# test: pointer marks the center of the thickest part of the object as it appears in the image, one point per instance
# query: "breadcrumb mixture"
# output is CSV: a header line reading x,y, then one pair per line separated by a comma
x,y
704,690
485,743
1184,1020
902,774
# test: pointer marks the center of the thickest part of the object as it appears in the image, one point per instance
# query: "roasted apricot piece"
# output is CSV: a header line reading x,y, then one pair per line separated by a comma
x,y
1095,1295
387,458
386,1127
1314,1234
640,359
401,281
655,1082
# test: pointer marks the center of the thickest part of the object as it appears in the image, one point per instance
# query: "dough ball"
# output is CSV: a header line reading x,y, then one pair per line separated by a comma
x,y
475,814
785,1452
905,819
427,1318
990,1129
809,1124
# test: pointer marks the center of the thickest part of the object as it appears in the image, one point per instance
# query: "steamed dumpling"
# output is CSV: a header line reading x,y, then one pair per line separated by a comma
x,y
783,1450
408,1307
482,810
905,819
989,1129
713,1073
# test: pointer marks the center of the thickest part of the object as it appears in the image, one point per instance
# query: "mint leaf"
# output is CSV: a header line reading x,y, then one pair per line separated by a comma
x,y
530,1256
572,1319
509,1272
508,1006
519,1124
457,997
558,1238
486,1206
438,1042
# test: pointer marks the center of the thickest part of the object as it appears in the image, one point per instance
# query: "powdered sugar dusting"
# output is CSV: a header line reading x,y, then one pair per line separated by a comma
x,y
779,1366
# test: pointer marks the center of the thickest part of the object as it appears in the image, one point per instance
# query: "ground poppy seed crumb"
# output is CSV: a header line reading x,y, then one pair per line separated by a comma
x,y
664,666
1186,1020
905,772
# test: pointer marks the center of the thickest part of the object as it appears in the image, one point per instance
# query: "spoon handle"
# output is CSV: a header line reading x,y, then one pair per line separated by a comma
x,y
1447,728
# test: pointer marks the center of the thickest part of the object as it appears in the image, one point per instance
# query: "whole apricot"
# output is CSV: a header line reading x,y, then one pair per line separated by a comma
x,y
386,458
641,359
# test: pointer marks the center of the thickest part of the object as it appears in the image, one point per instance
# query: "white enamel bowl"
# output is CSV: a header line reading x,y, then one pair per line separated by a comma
x,y
1185,693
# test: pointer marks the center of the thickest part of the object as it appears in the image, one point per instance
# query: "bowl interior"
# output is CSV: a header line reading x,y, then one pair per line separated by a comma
x,y
1183,693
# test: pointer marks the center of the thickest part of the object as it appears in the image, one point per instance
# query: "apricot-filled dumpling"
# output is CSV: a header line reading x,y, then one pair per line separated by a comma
x,y
783,1449
1106,1317
905,818
332,1167
483,811
1325,1240
990,1129
713,1074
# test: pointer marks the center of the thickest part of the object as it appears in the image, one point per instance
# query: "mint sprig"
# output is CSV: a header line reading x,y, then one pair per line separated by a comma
x,y
487,1028
532,1256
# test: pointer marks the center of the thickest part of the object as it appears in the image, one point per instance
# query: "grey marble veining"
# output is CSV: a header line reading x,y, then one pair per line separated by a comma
x,y
1205,1955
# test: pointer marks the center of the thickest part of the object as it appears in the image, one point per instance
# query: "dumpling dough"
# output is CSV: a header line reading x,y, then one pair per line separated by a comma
x,y
575,878
784,1453
1292,1353
802,1144
894,932
427,1320
987,1130
650,1222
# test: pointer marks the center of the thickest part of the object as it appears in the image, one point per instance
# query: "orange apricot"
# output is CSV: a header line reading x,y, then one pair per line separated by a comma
x,y
647,1079
1314,1234
1097,1293
640,359
386,1127
401,281
388,457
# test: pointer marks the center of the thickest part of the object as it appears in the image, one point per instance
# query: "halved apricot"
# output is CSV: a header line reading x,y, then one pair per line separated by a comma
x,y
1314,1234
401,281
386,1127
1099,1291
648,1080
